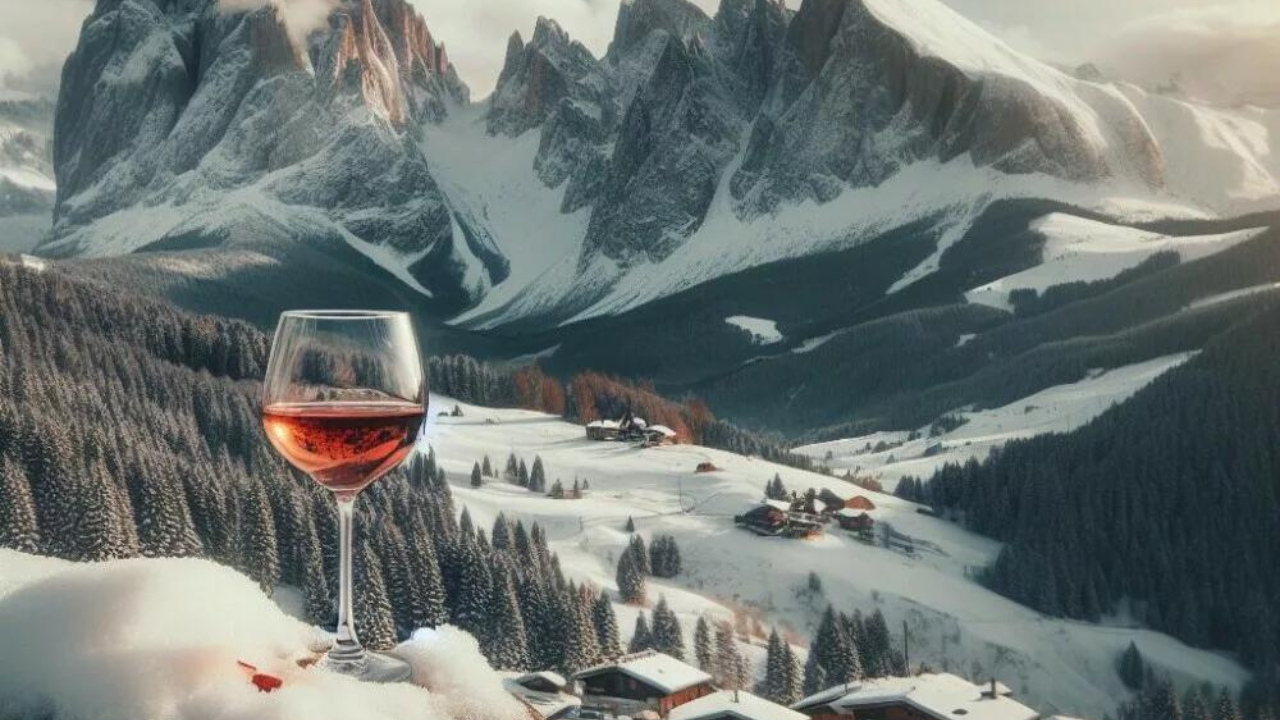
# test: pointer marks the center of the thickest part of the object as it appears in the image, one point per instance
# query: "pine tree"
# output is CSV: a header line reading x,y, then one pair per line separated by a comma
x,y
501,535
476,478
1226,707
640,556
606,626
792,679
667,636
641,637
731,667
522,476
876,647
833,658
580,648
508,647
702,644
487,468
319,602
262,558
631,525
538,476
18,528
512,473
774,673
1132,667
374,623
101,519
630,581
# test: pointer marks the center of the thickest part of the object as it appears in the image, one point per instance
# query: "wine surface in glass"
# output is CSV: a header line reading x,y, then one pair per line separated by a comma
x,y
343,445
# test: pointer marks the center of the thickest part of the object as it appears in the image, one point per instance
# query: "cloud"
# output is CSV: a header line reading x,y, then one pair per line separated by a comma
x,y
37,35
1223,53
301,17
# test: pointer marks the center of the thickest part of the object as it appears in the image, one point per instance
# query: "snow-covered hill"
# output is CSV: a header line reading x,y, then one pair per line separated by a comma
x,y
954,622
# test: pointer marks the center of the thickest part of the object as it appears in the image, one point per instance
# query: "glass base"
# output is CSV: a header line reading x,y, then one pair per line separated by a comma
x,y
373,667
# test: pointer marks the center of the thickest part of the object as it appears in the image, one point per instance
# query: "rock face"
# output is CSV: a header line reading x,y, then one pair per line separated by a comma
x,y
180,108
831,97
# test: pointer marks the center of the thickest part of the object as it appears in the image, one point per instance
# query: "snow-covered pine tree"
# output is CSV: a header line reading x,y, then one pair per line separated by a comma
x,y
474,592
512,473
508,646
606,625
161,515
731,668
580,648
374,622
557,490
773,685
793,679
546,648
876,648
477,479
18,525
631,525
833,652
501,535
486,468
667,635
631,586
522,475
315,585
641,636
425,564
702,650
538,476
640,555
1225,709
402,591
100,519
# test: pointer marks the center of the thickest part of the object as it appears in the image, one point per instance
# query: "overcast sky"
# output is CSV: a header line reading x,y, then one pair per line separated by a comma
x,y
1220,49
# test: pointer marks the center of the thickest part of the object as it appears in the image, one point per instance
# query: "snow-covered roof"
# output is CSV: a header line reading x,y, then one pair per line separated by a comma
x,y
782,505
727,703
654,668
552,677
603,424
548,704
940,695
662,429
852,512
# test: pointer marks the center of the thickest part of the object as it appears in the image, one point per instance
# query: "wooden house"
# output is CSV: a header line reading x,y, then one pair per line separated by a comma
x,y
642,681
776,517
546,695
934,696
734,705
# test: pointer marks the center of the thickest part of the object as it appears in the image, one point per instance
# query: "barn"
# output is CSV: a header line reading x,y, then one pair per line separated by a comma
x,y
647,680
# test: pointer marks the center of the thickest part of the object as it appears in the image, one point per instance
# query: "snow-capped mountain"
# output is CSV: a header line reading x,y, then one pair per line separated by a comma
x,y
26,166
697,146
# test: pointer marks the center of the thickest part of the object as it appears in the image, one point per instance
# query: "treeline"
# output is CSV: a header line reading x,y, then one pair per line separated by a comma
x,y
592,396
1168,501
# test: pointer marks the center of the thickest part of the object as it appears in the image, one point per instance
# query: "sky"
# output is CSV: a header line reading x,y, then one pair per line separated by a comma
x,y
1215,48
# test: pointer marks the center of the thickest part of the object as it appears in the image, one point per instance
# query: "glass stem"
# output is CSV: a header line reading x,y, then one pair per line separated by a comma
x,y
347,648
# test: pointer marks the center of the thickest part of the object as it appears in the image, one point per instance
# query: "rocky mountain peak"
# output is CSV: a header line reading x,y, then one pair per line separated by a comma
x,y
638,19
537,76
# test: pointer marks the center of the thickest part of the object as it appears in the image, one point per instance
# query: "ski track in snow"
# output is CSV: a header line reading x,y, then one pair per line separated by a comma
x,y
1055,665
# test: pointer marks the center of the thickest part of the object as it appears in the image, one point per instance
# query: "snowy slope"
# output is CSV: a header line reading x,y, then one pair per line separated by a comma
x,y
1058,409
1081,250
160,639
955,623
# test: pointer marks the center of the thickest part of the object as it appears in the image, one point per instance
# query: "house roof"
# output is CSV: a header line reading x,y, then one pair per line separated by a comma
x,y
742,705
782,505
548,704
653,668
611,424
939,695
851,512
662,429
552,677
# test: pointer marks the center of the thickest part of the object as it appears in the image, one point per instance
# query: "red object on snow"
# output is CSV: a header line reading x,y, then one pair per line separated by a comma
x,y
266,683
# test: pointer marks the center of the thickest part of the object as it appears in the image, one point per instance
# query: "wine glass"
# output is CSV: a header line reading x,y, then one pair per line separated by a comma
x,y
344,399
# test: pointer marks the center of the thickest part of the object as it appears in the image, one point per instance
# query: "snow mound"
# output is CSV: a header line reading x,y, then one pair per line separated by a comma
x,y
762,331
1081,250
160,639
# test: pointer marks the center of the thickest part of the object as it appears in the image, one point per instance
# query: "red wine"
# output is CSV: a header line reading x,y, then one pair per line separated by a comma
x,y
344,445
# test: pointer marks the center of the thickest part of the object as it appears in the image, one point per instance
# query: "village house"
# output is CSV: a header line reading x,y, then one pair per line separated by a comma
x,y
546,694
631,428
642,681
775,517
934,696
734,705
